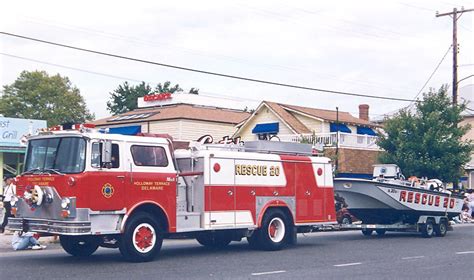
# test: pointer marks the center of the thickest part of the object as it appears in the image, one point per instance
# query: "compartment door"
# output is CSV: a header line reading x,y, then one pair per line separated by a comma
x,y
220,194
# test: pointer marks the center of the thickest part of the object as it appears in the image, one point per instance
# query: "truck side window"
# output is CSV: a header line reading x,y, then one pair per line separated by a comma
x,y
149,156
96,156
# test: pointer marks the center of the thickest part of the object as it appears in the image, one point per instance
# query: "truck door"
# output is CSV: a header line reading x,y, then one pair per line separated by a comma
x,y
151,176
105,184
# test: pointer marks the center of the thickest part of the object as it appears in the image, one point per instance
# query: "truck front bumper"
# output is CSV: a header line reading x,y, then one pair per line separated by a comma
x,y
49,226
52,217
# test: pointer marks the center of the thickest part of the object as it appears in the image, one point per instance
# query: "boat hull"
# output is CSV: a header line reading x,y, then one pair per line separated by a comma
x,y
377,202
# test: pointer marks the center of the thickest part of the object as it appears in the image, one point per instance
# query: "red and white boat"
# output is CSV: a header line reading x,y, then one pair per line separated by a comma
x,y
389,198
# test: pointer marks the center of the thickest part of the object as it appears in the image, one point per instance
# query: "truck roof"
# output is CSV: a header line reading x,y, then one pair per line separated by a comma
x,y
98,135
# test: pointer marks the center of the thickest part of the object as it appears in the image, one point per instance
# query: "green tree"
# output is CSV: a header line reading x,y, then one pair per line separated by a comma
x,y
124,98
427,142
166,87
36,95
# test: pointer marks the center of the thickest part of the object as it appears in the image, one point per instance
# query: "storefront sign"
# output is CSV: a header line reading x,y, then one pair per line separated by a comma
x,y
13,130
160,96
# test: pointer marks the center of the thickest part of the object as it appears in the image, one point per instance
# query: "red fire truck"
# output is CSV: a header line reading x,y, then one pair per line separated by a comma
x,y
129,192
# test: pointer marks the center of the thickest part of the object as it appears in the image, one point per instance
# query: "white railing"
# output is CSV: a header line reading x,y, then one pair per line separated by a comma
x,y
344,140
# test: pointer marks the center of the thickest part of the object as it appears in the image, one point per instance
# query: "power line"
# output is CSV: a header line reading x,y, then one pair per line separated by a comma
x,y
455,15
432,74
141,42
201,93
71,68
204,71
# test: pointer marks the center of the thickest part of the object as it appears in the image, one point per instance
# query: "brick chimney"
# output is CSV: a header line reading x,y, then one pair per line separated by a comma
x,y
364,112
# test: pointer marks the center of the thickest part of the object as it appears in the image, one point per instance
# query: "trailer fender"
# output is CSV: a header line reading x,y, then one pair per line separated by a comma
x,y
436,219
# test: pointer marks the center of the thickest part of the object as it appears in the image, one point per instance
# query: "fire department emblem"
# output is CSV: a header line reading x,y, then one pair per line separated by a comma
x,y
107,190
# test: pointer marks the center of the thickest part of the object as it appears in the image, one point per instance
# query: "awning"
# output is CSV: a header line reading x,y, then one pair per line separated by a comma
x,y
126,130
13,150
366,130
263,128
334,127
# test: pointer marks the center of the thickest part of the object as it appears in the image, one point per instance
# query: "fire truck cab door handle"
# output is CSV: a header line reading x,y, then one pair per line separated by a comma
x,y
230,192
121,177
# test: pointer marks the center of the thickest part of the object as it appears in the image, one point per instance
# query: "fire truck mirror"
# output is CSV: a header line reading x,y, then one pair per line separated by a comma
x,y
107,154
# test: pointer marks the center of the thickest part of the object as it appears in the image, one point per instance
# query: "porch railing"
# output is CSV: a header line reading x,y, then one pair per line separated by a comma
x,y
332,139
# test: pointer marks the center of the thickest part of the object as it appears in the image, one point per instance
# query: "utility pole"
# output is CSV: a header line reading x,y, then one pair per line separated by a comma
x,y
455,15
337,140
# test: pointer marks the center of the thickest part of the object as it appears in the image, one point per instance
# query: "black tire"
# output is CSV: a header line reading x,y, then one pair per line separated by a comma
x,y
253,240
442,228
216,240
346,220
367,232
381,232
142,238
79,246
275,231
427,229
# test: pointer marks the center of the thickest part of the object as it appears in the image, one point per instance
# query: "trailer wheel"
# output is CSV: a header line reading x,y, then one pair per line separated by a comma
x,y
367,232
381,232
214,240
275,231
142,238
78,246
442,228
427,229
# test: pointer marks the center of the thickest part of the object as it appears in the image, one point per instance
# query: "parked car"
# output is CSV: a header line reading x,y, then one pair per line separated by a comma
x,y
345,217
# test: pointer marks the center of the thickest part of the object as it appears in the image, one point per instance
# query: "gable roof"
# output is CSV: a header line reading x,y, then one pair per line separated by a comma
x,y
287,117
286,113
329,115
178,111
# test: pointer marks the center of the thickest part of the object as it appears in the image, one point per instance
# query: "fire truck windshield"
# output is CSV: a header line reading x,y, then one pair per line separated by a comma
x,y
56,155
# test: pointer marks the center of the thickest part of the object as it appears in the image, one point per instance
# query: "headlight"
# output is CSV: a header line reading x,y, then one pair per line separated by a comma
x,y
65,202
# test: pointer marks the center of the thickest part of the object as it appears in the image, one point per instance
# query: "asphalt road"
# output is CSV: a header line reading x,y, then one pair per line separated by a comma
x,y
327,255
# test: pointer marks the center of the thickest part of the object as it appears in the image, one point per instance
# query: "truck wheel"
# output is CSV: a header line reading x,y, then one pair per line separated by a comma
x,y
253,239
275,231
367,232
380,232
427,229
441,229
142,238
78,246
214,240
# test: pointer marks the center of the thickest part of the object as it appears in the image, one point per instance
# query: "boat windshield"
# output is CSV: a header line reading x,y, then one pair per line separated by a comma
x,y
56,155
